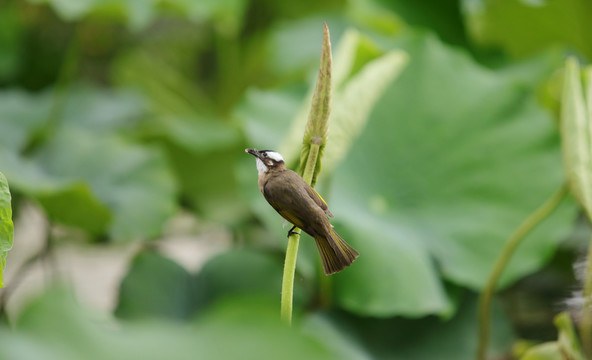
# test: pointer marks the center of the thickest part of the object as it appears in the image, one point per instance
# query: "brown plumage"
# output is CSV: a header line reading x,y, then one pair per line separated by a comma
x,y
300,204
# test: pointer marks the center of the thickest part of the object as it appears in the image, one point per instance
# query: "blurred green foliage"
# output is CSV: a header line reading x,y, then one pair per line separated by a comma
x,y
524,27
115,115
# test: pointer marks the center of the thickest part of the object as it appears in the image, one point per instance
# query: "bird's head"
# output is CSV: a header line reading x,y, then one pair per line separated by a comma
x,y
267,160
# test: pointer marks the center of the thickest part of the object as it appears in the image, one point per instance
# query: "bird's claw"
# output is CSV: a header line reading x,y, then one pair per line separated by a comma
x,y
292,232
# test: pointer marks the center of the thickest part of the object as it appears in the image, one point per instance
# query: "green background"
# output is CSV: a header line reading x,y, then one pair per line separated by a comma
x,y
118,116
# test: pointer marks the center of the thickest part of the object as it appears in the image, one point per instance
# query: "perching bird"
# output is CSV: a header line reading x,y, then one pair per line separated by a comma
x,y
300,204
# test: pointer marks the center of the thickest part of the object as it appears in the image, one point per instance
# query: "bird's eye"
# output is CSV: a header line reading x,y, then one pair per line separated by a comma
x,y
264,154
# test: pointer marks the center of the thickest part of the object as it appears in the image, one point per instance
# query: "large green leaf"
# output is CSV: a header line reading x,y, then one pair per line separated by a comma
x,y
63,204
453,159
522,27
393,275
132,181
6,227
86,175
155,287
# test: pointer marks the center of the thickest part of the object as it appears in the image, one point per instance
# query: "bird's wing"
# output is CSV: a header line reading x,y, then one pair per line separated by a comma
x,y
318,199
294,199
283,202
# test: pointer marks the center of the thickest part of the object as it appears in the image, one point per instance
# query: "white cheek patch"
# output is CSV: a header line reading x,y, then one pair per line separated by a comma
x,y
275,156
261,168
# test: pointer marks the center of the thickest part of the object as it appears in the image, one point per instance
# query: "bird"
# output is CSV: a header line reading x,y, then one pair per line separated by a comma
x,y
296,201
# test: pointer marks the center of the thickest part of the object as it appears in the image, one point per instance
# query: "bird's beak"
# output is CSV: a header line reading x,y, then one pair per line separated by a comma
x,y
253,152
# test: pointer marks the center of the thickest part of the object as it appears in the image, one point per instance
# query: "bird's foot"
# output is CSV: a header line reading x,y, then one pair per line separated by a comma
x,y
292,232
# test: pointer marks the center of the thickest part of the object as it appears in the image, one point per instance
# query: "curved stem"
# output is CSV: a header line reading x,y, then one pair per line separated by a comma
x,y
502,261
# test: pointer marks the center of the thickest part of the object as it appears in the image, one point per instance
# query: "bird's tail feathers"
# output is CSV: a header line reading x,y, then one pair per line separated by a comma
x,y
336,254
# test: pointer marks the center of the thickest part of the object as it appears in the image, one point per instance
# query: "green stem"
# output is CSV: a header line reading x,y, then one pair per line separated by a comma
x,y
586,324
502,261
315,135
293,240
288,279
